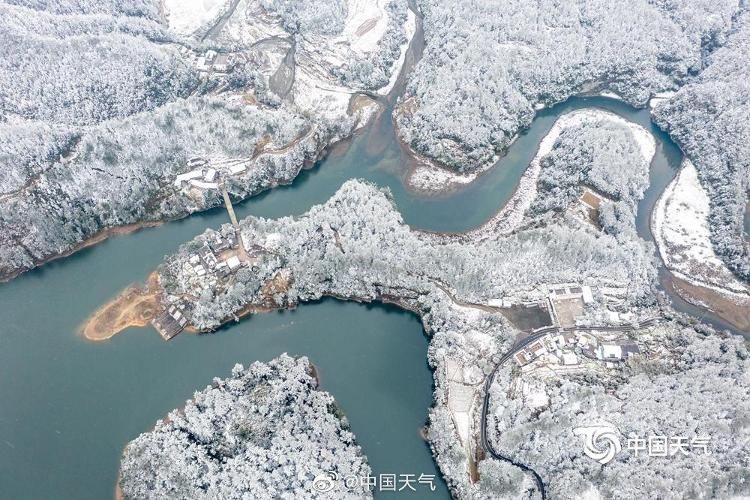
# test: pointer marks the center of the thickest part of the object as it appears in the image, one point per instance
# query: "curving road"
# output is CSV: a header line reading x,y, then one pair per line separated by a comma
x,y
521,344
486,444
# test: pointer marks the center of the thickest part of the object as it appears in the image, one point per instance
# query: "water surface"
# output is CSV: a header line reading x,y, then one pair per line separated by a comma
x,y
69,406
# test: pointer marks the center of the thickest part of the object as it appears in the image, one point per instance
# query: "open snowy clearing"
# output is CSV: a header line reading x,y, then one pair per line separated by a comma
x,y
659,98
682,234
365,25
184,17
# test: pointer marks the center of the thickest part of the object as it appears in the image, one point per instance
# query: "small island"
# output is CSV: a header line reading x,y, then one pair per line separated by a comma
x,y
266,431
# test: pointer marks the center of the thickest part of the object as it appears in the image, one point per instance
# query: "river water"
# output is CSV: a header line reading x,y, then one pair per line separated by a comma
x,y
68,406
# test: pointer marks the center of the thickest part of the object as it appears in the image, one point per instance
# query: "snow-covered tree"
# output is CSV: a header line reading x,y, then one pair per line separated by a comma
x,y
265,432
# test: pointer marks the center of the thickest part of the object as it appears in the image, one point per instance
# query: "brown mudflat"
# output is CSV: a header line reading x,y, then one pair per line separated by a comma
x,y
136,306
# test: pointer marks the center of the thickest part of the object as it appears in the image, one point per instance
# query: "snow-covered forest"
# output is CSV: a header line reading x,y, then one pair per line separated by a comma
x,y
87,69
601,154
102,105
357,245
310,16
487,69
374,70
123,173
700,389
265,432
464,287
488,65
709,120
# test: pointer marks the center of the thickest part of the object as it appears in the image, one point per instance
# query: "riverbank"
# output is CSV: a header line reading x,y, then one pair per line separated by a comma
x,y
510,216
733,308
427,176
94,240
681,231
136,306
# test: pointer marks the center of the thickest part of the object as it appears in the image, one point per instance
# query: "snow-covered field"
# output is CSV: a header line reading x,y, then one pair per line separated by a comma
x,y
513,212
659,98
365,25
184,17
681,230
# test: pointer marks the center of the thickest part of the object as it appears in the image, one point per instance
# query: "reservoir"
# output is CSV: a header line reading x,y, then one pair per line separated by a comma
x,y
69,406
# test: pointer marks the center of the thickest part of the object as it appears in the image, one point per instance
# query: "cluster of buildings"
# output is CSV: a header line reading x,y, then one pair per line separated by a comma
x,y
219,258
568,343
200,175
571,348
203,174
171,321
206,261
210,61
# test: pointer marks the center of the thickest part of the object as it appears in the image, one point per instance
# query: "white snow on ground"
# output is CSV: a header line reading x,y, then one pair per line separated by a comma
x,y
659,98
534,394
612,95
250,24
430,178
682,235
315,90
507,219
410,28
316,96
427,177
184,17
365,25
463,426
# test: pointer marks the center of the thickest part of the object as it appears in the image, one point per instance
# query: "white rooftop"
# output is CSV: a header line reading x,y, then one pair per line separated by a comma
x,y
610,351
569,358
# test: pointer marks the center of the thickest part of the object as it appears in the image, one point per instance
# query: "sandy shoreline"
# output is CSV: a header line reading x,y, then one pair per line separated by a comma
x,y
681,231
135,306
731,309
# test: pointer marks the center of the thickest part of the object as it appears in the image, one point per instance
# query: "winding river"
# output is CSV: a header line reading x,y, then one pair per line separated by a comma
x,y
69,406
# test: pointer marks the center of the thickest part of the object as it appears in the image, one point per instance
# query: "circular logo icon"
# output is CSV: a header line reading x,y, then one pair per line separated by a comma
x,y
600,442
325,482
